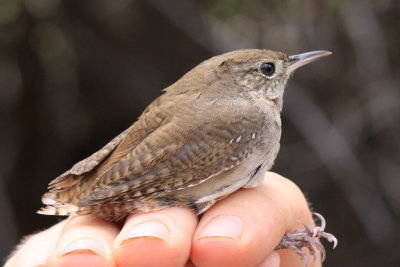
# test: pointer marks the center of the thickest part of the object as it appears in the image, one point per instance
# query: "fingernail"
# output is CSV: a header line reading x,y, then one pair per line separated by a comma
x,y
153,229
85,245
227,226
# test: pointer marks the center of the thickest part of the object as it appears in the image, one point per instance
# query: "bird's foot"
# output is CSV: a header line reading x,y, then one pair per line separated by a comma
x,y
308,238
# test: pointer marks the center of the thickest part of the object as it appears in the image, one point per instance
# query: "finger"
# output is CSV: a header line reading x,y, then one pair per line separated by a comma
x,y
245,228
35,249
272,260
289,258
84,241
160,238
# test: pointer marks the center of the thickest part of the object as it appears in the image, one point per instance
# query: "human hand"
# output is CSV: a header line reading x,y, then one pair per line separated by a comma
x,y
240,230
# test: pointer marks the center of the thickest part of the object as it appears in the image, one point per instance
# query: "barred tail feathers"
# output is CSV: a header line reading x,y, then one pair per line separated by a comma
x,y
60,210
55,207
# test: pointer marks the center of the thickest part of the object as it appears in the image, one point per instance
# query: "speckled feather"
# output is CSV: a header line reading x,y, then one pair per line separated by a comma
x,y
203,128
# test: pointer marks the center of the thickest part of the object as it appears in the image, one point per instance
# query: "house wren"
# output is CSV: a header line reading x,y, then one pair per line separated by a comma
x,y
214,131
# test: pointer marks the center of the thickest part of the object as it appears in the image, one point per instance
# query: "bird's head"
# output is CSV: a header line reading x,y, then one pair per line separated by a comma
x,y
254,72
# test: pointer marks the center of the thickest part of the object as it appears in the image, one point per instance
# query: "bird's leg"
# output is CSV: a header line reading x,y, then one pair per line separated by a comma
x,y
308,238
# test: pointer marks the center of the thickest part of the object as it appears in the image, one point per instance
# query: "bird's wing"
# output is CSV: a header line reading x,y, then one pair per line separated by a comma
x,y
119,146
86,165
184,152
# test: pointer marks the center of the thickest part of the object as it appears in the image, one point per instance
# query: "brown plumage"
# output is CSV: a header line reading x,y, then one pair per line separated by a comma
x,y
215,130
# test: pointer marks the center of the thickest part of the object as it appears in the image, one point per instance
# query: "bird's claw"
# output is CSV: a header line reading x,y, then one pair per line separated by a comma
x,y
308,238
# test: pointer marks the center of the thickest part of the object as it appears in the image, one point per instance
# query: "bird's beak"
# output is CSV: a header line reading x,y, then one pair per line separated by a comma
x,y
296,61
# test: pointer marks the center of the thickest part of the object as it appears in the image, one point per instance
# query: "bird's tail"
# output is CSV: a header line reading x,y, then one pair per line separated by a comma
x,y
61,210
54,207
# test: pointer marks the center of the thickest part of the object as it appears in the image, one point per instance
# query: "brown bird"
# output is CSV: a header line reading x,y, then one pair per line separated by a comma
x,y
214,131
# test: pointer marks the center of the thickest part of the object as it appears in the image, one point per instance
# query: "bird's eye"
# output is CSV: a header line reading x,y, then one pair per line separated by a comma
x,y
267,69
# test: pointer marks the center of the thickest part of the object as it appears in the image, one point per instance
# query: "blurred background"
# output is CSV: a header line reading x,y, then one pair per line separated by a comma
x,y
74,74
